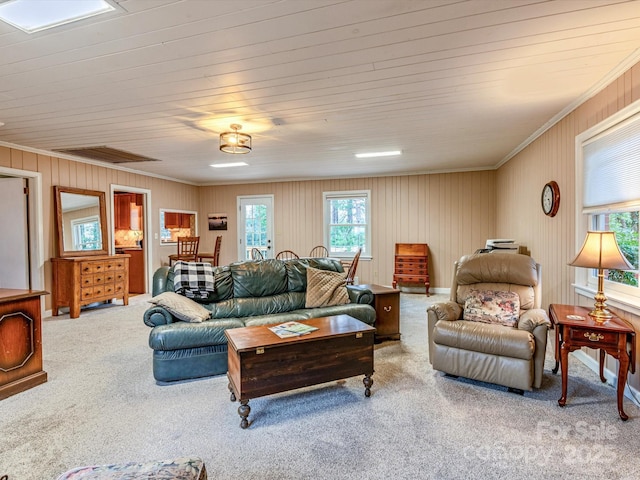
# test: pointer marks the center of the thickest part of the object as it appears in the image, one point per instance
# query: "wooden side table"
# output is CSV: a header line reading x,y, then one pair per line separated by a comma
x,y
387,305
576,329
20,341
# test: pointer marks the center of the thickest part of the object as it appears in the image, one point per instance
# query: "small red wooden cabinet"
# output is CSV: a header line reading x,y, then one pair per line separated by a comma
x,y
387,305
412,264
20,341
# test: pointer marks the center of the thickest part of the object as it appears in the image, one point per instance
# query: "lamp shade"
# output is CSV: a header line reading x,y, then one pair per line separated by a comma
x,y
600,250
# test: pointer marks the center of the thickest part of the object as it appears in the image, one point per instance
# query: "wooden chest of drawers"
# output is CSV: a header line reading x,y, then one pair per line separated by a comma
x,y
411,264
80,281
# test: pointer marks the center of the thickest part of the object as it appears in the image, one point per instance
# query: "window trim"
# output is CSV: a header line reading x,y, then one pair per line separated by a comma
x,y
585,282
326,196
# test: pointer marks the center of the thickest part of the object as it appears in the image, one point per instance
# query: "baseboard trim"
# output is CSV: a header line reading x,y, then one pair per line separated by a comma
x,y
432,290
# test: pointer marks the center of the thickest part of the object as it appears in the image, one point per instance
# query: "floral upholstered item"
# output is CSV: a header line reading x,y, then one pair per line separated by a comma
x,y
187,468
492,306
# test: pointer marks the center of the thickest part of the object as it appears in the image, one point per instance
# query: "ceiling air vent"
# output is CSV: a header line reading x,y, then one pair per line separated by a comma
x,y
106,154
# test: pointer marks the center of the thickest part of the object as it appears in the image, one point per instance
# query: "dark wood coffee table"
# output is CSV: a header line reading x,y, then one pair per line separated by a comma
x,y
261,363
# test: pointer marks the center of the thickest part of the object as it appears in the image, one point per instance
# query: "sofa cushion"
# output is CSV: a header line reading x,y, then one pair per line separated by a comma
x,y
484,338
182,335
297,270
497,268
251,307
181,307
273,319
193,279
258,279
325,288
359,311
492,306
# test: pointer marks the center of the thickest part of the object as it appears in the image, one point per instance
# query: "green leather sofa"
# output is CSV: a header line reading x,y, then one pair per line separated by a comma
x,y
246,293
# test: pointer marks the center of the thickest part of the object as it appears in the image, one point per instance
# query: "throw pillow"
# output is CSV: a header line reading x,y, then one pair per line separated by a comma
x,y
492,306
181,307
325,288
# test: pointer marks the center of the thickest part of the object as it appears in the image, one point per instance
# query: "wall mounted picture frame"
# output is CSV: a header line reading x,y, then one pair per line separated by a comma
x,y
217,221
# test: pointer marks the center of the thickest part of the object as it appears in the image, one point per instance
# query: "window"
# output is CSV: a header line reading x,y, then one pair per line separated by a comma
x,y
256,229
608,197
347,224
176,223
625,225
86,233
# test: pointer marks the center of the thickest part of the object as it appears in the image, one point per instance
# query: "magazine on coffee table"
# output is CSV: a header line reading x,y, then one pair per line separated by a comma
x,y
292,329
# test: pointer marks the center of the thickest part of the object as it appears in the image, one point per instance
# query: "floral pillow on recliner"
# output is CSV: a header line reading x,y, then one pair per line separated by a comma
x,y
492,306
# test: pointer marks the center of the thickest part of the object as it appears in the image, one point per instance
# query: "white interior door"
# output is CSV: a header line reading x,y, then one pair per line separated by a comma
x,y
255,226
14,257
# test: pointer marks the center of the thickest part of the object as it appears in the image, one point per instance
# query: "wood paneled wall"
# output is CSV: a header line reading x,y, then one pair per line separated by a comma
x,y
453,213
552,241
57,171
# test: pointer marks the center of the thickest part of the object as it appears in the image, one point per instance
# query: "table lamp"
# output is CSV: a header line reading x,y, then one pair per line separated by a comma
x,y
600,250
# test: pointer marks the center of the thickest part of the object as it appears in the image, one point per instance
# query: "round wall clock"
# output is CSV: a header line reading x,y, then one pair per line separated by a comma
x,y
550,199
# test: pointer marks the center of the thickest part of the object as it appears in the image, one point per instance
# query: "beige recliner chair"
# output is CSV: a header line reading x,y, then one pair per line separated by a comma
x,y
512,356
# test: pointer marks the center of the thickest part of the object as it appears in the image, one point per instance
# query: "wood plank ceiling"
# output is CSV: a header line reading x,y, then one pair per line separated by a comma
x,y
456,85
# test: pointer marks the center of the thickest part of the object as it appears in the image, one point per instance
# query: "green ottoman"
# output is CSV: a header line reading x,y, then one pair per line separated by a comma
x,y
186,468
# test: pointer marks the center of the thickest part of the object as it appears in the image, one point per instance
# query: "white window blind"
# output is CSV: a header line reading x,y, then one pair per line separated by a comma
x,y
611,168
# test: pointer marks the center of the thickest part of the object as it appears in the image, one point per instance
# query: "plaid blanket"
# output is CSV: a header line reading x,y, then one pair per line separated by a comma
x,y
193,279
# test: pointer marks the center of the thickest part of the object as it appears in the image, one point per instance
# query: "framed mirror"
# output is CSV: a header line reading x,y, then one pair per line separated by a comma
x,y
81,221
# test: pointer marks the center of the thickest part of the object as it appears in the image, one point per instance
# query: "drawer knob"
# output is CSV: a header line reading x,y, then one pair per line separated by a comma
x,y
387,309
593,337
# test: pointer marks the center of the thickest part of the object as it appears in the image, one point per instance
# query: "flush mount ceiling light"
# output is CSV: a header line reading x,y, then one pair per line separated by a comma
x,y
34,15
235,142
379,154
227,165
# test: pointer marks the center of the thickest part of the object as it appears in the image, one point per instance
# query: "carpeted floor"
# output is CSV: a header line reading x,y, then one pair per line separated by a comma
x,y
101,405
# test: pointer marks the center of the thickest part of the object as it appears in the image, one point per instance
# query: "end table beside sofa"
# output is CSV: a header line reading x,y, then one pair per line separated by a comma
x,y
386,302
576,329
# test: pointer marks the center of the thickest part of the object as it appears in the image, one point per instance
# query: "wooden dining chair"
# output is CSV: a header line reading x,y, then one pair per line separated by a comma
x,y
351,274
216,251
187,250
286,255
256,254
319,251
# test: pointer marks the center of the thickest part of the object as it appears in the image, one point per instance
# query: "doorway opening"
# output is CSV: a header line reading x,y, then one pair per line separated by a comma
x,y
132,233
23,262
